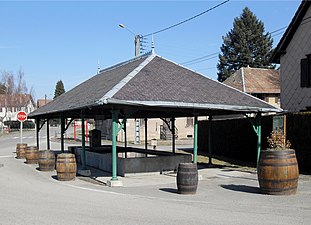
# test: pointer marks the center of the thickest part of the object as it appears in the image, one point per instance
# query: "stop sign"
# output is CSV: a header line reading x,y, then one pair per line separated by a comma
x,y
21,116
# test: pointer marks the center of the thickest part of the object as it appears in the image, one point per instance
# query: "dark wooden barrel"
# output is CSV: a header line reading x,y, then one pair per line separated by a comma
x,y
20,150
278,172
66,167
187,178
31,154
46,160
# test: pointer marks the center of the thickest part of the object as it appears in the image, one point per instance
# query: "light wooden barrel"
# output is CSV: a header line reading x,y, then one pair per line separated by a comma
x,y
46,160
31,154
66,167
21,150
278,172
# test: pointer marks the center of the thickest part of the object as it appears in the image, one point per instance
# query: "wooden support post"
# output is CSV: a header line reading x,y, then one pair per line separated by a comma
x,y
210,140
83,142
37,132
146,135
62,131
48,134
173,134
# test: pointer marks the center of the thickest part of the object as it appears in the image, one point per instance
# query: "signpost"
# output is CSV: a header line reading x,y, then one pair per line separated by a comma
x,y
21,117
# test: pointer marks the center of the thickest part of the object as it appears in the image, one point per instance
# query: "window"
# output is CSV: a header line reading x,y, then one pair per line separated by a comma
x,y
305,73
189,122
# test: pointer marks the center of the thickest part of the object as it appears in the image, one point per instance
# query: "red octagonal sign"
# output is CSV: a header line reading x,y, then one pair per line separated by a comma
x,y
21,116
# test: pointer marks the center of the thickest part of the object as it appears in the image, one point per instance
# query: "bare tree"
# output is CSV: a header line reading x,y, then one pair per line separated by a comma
x,y
15,84
12,84
8,81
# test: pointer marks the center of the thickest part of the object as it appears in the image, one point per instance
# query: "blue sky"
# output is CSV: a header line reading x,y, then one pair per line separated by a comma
x,y
64,40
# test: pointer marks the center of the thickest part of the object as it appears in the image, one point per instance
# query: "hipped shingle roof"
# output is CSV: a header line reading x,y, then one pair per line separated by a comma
x,y
255,80
151,81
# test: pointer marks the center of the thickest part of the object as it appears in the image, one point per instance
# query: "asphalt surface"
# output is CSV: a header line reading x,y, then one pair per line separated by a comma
x,y
224,196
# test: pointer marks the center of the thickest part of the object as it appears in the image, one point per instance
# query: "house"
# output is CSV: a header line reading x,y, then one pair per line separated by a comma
x,y
10,105
42,102
293,53
261,83
158,129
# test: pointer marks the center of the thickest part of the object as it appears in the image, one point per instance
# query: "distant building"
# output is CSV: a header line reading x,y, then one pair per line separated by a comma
x,y
42,102
261,83
293,53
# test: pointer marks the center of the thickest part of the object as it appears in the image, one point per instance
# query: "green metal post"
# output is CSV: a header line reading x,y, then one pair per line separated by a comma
x,y
258,125
114,144
195,140
83,143
125,138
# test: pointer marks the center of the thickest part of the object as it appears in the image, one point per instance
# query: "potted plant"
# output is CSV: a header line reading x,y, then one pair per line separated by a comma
x,y
277,168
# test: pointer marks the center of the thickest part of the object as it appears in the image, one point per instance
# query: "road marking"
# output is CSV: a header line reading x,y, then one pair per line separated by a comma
x,y
6,156
29,137
94,190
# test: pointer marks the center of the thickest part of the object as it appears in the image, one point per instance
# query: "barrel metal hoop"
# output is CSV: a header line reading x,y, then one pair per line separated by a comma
x,y
277,181
271,190
280,157
278,164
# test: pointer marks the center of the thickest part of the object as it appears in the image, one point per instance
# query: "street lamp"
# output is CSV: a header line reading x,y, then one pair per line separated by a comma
x,y
137,52
136,40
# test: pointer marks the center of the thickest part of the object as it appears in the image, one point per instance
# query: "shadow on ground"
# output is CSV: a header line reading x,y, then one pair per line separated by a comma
x,y
170,190
241,188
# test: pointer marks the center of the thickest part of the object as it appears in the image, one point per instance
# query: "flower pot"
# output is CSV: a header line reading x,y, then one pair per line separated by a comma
x,y
277,172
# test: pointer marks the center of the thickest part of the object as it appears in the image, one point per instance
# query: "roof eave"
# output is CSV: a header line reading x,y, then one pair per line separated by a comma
x,y
203,106
290,31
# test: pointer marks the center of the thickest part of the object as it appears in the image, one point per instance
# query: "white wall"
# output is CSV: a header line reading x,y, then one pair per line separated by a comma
x,y
293,97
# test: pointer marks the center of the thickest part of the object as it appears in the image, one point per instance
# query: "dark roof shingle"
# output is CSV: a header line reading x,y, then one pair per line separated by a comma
x,y
149,81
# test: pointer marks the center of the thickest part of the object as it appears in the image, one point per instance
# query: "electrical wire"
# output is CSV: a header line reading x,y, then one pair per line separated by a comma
x,y
188,64
184,21
202,58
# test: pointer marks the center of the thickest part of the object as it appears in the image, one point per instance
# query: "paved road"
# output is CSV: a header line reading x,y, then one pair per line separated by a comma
x,y
225,196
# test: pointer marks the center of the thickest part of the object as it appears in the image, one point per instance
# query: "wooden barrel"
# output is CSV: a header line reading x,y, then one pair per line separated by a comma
x,y
20,150
187,178
46,160
66,167
31,154
278,172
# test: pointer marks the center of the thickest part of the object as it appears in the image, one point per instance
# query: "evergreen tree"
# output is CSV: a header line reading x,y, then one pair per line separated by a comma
x,y
244,45
59,89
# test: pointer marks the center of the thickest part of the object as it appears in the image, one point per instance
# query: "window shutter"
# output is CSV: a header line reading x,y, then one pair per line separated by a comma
x,y
304,73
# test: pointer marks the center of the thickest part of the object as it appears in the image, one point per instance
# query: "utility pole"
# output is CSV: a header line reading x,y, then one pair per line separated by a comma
x,y
137,45
137,53
136,40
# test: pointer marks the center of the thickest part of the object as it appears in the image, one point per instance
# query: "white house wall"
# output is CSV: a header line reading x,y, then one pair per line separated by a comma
x,y
293,97
184,131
